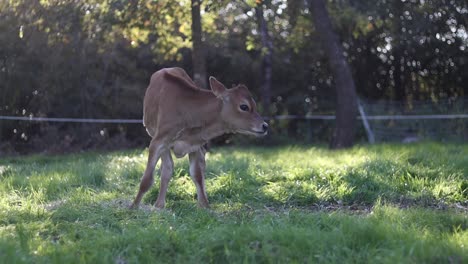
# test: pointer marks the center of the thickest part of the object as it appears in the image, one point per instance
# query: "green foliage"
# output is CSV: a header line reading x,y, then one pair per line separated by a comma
x,y
93,58
384,203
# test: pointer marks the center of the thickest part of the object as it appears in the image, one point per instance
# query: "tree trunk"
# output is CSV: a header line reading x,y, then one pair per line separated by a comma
x,y
267,54
198,52
346,109
399,90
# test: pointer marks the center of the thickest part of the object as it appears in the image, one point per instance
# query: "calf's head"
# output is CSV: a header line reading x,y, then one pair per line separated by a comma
x,y
239,109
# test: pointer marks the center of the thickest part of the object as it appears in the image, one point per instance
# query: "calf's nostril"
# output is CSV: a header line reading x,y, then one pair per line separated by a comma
x,y
265,127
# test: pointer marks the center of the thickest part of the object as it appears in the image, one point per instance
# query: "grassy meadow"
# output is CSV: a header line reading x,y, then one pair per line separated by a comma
x,y
290,204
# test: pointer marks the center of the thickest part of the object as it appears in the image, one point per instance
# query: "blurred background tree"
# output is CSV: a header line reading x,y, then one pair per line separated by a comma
x,y
198,50
93,58
346,102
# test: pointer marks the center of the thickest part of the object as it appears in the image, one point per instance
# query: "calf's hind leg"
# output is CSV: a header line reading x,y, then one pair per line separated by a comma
x,y
197,171
167,167
155,150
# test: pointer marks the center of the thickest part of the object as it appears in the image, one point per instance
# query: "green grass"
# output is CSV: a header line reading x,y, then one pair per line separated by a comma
x,y
374,204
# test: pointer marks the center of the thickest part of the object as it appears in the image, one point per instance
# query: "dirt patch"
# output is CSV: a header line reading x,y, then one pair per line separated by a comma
x,y
117,204
125,204
54,205
358,209
363,209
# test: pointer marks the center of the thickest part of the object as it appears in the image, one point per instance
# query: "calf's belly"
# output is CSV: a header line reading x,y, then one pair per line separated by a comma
x,y
182,148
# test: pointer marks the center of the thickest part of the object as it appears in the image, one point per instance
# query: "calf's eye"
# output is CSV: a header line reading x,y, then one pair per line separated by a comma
x,y
244,107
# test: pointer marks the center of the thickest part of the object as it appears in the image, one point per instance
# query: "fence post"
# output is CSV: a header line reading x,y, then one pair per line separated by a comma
x,y
365,122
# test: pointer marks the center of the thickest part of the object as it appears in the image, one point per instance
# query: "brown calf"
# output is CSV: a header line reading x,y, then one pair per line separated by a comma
x,y
181,117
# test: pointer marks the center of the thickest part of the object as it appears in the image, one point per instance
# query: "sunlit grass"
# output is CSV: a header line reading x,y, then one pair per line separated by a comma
x,y
384,203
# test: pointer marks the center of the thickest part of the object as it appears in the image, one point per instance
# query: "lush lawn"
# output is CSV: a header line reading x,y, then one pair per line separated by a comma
x,y
376,204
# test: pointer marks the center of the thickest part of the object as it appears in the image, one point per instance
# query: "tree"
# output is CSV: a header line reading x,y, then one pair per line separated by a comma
x,y
70,58
267,56
198,51
346,109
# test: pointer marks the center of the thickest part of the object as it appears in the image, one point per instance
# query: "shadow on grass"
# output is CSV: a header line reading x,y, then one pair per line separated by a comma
x,y
54,180
366,183
239,180
400,183
51,178
236,178
233,181
21,216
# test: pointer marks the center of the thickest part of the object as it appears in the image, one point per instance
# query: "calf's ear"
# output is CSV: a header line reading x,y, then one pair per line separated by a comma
x,y
217,87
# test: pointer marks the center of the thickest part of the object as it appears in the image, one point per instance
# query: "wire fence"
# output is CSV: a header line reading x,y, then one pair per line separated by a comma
x,y
279,117
416,120
72,120
382,120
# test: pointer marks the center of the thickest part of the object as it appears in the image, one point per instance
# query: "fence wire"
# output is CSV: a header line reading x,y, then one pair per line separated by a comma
x,y
382,120
279,117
